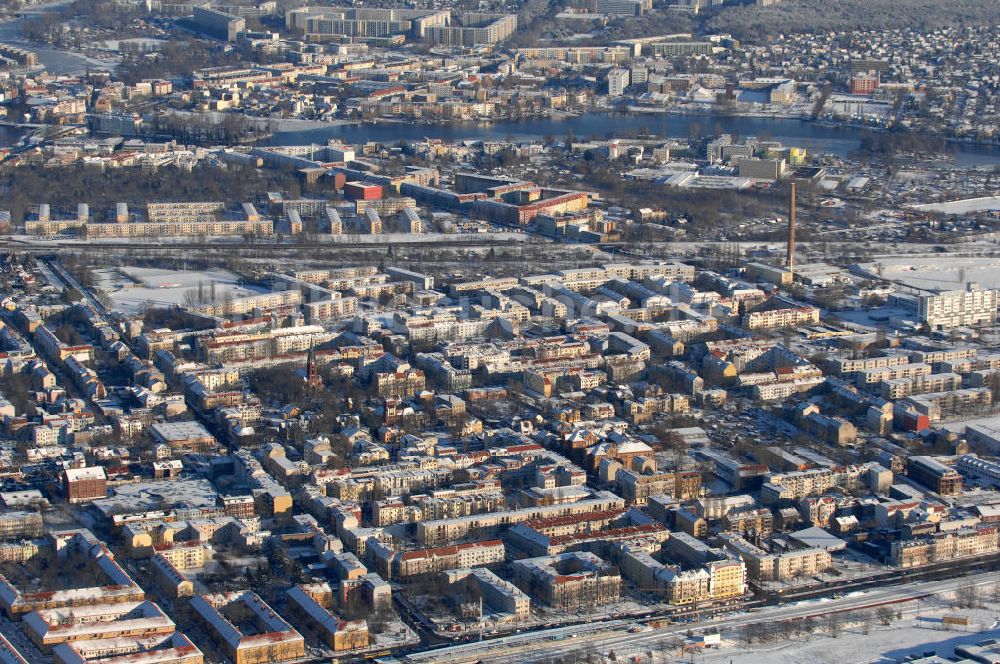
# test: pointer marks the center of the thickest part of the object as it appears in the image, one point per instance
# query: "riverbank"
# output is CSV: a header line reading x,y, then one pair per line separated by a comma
x,y
10,135
819,138
802,117
703,112
56,61
274,124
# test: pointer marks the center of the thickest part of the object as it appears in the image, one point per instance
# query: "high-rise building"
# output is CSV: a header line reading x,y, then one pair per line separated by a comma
x,y
219,24
973,306
623,7
618,80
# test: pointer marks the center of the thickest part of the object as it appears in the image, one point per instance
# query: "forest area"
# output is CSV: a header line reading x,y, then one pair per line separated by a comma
x,y
63,188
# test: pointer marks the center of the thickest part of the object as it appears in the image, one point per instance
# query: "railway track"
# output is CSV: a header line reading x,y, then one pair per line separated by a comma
x,y
49,247
620,636
634,250
893,587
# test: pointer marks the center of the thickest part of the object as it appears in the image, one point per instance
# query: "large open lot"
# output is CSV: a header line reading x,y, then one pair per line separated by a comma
x,y
939,272
918,634
133,289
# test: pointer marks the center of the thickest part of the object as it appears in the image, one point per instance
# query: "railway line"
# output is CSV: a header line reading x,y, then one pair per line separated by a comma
x,y
630,250
883,589
72,245
619,635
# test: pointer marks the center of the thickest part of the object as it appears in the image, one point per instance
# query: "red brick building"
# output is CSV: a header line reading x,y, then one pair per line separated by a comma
x,y
85,484
865,83
362,191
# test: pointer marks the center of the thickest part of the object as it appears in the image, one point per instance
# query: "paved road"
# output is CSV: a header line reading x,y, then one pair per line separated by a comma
x,y
614,635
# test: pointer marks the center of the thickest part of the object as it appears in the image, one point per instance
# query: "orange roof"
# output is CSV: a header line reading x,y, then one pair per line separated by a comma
x,y
453,550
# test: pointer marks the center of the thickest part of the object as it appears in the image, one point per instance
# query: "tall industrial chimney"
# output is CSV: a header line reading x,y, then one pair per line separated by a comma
x,y
790,252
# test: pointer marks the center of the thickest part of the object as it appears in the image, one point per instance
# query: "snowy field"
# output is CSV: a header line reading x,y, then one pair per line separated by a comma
x,y
939,272
882,645
965,206
918,630
134,288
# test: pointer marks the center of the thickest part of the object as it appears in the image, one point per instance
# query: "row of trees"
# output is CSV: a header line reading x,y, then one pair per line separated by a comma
x,y
63,188
230,129
888,145
51,27
832,623
174,58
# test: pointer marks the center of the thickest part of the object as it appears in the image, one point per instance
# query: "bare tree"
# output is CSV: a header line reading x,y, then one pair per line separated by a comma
x,y
834,624
967,596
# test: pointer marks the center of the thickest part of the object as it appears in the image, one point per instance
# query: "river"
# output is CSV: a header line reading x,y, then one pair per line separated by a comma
x,y
56,61
818,138
9,135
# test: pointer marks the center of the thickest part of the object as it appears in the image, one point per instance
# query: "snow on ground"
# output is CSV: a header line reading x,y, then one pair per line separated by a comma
x,y
964,206
872,318
406,238
881,646
940,272
915,634
164,288
959,426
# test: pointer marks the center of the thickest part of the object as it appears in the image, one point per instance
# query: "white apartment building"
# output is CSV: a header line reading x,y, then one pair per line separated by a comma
x,y
973,306
618,80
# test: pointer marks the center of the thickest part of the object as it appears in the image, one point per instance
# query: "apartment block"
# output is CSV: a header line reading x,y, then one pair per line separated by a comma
x,y
940,405
219,24
714,579
170,579
944,546
778,318
392,564
325,23
18,525
569,580
934,475
636,488
502,597
49,627
842,365
914,371
903,387
576,55
269,639
339,634
973,306
473,29
763,566
174,648
618,81
442,531
755,521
